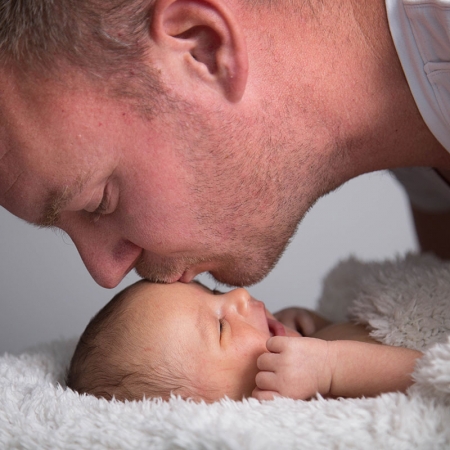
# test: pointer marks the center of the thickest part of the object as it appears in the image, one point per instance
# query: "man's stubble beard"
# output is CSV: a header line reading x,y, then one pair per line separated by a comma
x,y
233,186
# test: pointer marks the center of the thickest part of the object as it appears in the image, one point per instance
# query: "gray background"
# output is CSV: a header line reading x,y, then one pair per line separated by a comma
x,y
46,293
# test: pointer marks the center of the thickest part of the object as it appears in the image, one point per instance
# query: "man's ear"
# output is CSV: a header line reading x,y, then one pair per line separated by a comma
x,y
202,39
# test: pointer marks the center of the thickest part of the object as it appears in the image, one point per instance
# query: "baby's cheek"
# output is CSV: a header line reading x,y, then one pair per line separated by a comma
x,y
246,366
215,382
256,353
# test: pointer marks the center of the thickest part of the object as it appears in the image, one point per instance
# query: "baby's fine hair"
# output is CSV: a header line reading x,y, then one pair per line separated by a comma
x,y
108,363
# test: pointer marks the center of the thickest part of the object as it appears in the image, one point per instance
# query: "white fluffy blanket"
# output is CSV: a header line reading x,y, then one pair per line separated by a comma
x,y
405,302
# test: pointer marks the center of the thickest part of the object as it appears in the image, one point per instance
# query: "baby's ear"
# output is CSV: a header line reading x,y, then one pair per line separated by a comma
x,y
200,42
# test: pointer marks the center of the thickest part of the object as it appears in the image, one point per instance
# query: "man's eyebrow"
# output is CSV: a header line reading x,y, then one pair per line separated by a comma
x,y
57,201
53,206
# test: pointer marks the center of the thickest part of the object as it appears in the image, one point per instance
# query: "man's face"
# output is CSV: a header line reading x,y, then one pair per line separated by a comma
x,y
172,196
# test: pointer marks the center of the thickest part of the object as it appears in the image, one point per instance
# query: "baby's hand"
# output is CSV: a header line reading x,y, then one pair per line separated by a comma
x,y
295,367
304,321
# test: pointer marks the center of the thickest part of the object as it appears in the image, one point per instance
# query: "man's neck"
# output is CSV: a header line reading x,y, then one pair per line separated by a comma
x,y
336,71
402,137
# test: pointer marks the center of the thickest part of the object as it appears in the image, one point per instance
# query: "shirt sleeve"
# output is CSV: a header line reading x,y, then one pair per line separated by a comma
x,y
426,189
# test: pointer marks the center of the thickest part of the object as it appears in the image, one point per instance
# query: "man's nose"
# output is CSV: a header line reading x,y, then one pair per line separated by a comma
x,y
239,299
107,257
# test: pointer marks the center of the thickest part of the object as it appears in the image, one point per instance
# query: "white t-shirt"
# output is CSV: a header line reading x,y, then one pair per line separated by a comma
x,y
421,33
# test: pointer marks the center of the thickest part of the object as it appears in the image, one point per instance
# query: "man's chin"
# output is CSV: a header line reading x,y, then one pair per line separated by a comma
x,y
238,278
158,275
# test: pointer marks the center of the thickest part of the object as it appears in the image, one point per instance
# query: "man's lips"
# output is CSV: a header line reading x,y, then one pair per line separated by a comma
x,y
186,277
276,328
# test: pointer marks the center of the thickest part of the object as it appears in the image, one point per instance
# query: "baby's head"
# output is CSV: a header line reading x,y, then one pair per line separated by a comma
x,y
152,340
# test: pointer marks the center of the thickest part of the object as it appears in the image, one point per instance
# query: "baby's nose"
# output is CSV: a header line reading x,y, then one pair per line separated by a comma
x,y
239,298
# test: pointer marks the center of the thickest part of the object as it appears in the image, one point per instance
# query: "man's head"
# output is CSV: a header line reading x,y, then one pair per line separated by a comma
x,y
196,185
153,340
181,136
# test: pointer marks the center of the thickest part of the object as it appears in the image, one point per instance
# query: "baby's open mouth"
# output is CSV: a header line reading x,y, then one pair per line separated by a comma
x,y
276,328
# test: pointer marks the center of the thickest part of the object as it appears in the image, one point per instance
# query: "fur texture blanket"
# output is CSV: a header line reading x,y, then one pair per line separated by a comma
x,y
404,302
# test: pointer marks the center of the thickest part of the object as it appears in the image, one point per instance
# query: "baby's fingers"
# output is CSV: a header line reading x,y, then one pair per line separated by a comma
x,y
264,395
267,381
267,361
276,344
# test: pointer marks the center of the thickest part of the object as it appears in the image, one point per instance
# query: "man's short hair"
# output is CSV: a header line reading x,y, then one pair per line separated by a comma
x,y
106,39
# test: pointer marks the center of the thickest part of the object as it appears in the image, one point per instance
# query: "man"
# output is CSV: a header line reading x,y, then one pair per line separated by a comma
x,y
179,136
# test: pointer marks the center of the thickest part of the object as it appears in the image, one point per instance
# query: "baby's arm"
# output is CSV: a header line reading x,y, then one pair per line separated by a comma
x,y
341,360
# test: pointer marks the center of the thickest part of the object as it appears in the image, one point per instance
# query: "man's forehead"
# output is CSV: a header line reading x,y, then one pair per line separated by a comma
x,y
49,139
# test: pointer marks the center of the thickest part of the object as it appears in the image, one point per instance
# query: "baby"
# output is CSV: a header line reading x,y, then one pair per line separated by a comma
x,y
152,340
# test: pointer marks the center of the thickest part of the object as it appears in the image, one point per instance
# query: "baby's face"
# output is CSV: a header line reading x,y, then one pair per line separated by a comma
x,y
215,338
